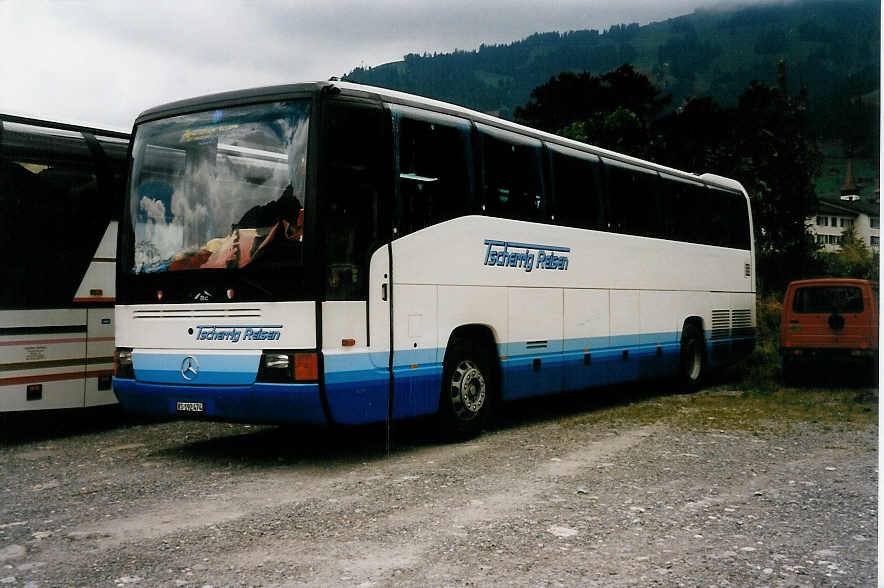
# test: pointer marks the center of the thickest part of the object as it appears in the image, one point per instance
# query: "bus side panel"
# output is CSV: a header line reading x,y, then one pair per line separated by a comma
x,y
97,284
533,363
660,333
587,328
357,377
46,351
99,357
357,390
472,305
417,361
742,325
625,338
356,387
718,330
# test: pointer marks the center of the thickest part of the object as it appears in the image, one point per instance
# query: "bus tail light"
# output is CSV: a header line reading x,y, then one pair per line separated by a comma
x,y
123,363
283,367
306,367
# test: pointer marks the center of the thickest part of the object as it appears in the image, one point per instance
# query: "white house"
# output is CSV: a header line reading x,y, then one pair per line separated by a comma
x,y
837,212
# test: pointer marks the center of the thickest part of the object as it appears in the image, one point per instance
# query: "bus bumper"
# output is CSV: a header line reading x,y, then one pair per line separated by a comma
x,y
254,403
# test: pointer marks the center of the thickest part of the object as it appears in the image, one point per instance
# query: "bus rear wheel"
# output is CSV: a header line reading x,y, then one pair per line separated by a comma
x,y
467,385
692,369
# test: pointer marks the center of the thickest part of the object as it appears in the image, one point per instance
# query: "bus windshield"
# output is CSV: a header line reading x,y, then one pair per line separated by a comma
x,y
222,189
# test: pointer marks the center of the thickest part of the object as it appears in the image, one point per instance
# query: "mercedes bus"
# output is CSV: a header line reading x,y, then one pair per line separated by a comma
x,y
335,253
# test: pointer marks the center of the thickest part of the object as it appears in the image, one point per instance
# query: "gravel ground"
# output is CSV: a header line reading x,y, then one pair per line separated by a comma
x,y
578,493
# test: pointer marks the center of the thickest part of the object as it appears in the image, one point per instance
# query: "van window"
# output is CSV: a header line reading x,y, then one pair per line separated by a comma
x,y
825,299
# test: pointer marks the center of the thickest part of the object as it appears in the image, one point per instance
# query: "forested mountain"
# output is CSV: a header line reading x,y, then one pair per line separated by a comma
x,y
830,46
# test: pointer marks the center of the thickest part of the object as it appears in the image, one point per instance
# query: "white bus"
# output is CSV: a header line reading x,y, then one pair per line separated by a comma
x,y
60,189
335,253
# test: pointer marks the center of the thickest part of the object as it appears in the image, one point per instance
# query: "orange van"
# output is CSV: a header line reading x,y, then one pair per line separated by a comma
x,y
830,319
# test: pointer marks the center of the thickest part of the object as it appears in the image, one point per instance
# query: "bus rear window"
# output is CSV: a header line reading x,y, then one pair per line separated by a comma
x,y
827,299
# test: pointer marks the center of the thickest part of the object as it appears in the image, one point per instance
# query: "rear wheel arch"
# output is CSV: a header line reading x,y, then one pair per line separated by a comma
x,y
482,335
693,361
692,320
470,381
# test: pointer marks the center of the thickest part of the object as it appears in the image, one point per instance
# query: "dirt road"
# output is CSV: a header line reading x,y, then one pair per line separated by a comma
x,y
665,490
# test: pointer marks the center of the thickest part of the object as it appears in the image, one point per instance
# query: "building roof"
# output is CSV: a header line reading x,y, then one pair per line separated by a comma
x,y
834,205
856,204
849,186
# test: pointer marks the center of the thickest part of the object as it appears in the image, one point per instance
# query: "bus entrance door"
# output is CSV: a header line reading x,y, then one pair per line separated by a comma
x,y
355,204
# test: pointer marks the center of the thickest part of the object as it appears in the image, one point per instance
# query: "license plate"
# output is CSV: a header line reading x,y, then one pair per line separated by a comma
x,y
189,407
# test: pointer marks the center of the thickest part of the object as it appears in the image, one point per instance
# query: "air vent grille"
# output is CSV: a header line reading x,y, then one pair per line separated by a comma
x,y
742,319
196,313
721,326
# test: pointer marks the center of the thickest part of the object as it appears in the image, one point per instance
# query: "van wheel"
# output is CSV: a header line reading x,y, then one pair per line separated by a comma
x,y
467,386
692,369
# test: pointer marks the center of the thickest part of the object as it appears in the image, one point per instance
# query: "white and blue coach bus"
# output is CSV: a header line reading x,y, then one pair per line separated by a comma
x,y
335,253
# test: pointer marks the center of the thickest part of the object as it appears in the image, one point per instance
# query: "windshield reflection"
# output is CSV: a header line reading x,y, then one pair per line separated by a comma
x,y
221,189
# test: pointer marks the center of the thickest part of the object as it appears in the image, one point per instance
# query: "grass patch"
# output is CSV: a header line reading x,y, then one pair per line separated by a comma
x,y
725,408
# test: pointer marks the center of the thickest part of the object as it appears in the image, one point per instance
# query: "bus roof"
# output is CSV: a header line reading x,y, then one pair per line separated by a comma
x,y
77,127
302,90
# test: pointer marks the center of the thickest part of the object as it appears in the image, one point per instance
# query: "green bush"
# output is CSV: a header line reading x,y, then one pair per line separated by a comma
x,y
762,371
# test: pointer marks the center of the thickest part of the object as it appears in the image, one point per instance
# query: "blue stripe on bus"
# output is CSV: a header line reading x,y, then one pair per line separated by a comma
x,y
417,390
357,384
619,341
214,369
357,387
258,403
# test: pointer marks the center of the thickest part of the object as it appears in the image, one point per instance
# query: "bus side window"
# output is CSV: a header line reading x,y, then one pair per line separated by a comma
x,y
353,195
731,214
512,175
690,213
433,168
115,151
633,200
576,187
682,204
48,176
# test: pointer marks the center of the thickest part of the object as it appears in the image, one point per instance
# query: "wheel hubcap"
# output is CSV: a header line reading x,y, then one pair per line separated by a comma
x,y
467,390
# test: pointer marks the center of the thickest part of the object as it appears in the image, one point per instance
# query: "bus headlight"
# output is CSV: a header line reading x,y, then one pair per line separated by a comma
x,y
275,367
123,363
285,367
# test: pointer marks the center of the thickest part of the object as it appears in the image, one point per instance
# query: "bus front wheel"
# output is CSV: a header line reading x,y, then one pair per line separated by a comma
x,y
693,358
467,385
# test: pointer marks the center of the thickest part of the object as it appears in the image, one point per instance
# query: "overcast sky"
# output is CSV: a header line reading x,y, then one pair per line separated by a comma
x,y
103,62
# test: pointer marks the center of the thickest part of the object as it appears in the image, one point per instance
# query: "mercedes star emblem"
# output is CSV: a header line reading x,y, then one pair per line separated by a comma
x,y
190,367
